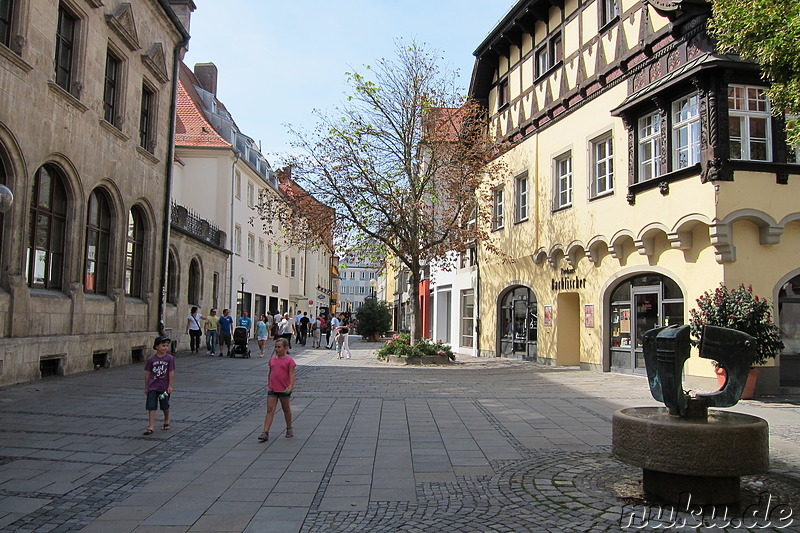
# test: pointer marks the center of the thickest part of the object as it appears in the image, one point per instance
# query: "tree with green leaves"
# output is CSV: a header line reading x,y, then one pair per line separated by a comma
x,y
767,32
402,163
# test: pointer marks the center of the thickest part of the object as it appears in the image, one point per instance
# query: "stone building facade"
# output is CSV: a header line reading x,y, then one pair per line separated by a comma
x,y
86,104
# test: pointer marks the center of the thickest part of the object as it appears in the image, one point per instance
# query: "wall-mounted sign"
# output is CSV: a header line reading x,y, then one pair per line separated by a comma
x,y
588,315
320,297
567,283
548,315
311,302
275,288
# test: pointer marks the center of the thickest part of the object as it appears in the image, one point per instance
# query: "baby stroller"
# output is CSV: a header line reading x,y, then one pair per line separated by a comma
x,y
240,343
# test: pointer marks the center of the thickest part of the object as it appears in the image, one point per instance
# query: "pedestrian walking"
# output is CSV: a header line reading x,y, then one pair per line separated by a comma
x,y
286,329
333,331
193,329
212,331
225,331
304,323
297,326
159,377
280,386
316,332
276,320
262,334
343,338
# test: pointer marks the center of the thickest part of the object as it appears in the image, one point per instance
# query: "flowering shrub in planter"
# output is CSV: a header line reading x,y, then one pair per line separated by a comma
x,y
741,310
400,346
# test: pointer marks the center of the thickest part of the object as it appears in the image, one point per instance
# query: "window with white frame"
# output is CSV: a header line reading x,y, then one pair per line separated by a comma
x,y
261,252
280,259
498,207
602,161
269,257
286,259
237,240
467,318
362,275
649,138
251,194
521,198
549,55
749,123
563,181
292,267
302,267
686,132
352,274
609,11
361,289
251,247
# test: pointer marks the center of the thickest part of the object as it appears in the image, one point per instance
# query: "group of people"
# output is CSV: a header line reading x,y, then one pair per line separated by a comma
x,y
160,366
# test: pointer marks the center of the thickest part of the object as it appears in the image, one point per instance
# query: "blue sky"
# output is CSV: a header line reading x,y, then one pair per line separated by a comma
x,y
278,60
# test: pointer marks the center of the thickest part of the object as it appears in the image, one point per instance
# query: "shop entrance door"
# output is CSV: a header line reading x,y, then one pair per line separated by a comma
x,y
646,306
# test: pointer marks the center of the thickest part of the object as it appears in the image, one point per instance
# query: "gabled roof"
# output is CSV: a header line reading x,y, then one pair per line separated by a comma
x,y
192,128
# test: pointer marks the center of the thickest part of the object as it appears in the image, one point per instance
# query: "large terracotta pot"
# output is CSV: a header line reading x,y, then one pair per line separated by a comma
x,y
749,386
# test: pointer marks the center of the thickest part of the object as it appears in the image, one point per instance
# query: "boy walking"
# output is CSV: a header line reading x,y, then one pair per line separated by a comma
x,y
159,376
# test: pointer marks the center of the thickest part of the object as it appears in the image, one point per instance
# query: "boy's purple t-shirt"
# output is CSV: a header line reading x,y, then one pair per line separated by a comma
x,y
159,368
279,379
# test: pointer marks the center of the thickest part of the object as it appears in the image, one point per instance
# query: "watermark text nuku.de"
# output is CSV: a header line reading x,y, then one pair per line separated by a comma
x,y
686,515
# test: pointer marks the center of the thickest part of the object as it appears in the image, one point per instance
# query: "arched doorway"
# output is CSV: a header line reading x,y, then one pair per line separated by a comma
x,y
789,320
518,324
638,304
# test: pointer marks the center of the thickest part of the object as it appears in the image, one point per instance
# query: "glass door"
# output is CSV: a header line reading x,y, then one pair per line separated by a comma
x,y
646,306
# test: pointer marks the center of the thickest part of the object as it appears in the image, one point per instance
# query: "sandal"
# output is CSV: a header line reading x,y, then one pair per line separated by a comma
x,y
263,437
166,426
289,433
148,431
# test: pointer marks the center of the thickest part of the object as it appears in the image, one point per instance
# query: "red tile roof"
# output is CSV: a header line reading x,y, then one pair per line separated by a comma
x,y
192,128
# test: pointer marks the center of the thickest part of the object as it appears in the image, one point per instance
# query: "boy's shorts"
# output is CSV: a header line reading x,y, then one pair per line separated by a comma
x,y
153,401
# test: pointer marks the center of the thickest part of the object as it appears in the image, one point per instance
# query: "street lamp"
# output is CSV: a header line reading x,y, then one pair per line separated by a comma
x,y
243,280
372,284
6,199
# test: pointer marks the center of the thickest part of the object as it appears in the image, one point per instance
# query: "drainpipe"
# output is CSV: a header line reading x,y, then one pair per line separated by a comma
x,y
231,303
173,106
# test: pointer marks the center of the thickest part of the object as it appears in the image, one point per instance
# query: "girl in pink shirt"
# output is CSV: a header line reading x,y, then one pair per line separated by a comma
x,y
280,387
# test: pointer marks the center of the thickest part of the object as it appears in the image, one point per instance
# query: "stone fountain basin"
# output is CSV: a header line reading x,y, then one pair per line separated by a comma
x,y
725,444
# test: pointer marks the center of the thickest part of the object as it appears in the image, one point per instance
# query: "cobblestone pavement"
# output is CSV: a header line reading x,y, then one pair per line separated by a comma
x,y
481,445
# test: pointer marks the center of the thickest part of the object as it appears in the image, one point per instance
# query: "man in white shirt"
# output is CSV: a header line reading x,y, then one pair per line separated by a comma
x,y
334,331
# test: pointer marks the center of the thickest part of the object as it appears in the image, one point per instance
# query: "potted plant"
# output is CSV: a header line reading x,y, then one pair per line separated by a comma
x,y
424,351
744,311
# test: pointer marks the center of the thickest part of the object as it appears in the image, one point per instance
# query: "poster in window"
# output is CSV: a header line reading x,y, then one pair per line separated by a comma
x,y
625,321
588,315
548,315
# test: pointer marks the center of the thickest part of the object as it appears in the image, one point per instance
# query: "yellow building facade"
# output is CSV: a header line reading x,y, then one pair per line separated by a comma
x,y
644,169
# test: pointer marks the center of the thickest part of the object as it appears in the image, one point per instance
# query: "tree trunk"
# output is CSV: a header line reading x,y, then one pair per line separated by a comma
x,y
415,276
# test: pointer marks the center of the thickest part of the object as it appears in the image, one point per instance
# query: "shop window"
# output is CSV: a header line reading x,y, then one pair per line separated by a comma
x,y
789,320
498,206
134,253
562,189
47,232
98,236
649,140
467,318
518,323
686,132
638,305
521,198
602,171
750,123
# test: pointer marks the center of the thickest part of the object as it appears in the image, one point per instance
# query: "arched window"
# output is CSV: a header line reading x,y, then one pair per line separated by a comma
x,y
518,323
194,283
789,319
134,253
98,236
3,181
48,222
172,279
638,305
